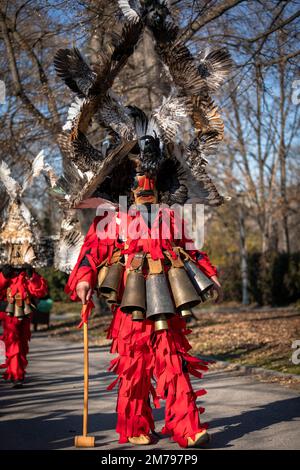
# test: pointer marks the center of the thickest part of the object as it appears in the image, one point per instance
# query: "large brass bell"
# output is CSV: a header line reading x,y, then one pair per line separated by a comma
x,y
19,309
133,300
27,308
102,275
159,302
110,286
201,282
184,293
10,308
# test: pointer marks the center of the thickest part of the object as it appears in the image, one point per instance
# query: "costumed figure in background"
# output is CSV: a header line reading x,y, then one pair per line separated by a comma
x,y
138,259
21,250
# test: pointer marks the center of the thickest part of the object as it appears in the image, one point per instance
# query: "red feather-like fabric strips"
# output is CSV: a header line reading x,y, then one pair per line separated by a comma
x,y
154,364
16,335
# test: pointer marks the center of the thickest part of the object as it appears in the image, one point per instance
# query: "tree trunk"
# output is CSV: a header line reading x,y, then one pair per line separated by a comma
x,y
244,260
282,160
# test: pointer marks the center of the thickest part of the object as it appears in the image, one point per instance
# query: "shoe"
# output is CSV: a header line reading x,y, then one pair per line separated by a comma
x,y
201,440
141,440
18,384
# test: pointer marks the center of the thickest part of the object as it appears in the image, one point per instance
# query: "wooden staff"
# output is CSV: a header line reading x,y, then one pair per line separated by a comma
x,y
85,440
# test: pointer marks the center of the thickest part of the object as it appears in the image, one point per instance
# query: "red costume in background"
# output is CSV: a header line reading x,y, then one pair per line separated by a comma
x,y
145,355
16,332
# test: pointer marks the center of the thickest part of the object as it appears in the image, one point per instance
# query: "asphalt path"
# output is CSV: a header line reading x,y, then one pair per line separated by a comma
x,y
47,412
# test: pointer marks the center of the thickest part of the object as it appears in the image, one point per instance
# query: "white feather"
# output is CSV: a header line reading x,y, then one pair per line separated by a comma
x,y
11,185
73,112
129,13
68,247
173,120
25,212
38,165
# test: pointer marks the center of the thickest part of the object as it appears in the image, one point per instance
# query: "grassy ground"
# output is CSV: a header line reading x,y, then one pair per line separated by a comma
x,y
258,337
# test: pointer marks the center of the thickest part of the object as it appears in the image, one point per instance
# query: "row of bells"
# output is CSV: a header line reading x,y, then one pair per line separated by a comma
x,y
18,309
151,298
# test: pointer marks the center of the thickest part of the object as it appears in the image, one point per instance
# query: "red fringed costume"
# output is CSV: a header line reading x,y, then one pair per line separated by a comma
x,y
149,363
158,162
16,331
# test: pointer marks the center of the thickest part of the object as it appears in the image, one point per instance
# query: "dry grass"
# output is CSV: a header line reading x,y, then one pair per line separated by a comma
x,y
260,337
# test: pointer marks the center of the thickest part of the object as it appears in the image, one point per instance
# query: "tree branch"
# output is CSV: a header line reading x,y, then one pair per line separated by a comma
x,y
212,14
19,91
42,76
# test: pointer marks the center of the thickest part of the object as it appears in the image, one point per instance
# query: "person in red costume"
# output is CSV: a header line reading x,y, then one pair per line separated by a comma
x,y
145,355
155,158
19,286
4,283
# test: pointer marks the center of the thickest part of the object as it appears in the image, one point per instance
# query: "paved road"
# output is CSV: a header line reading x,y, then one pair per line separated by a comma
x,y
46,413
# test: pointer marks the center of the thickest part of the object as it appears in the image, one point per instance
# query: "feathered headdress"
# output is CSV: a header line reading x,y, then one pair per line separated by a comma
x,y
174,143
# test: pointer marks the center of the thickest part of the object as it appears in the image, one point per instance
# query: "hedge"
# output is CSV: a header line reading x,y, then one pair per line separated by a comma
x,y
274,279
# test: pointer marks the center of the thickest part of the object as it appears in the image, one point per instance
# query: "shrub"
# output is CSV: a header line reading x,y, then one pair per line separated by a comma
x,y
56,281
274,278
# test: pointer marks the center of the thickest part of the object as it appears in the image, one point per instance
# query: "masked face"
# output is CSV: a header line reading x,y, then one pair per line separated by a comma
x,y
144,190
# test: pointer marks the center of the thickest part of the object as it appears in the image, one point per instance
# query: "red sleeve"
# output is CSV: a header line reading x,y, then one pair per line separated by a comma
x,y
95,250
205,264
83,273
37,286
4,283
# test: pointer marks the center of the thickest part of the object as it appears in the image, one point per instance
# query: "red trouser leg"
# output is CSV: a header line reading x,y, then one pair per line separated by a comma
x,y
16,336
161,356
131,340
133,406
172,367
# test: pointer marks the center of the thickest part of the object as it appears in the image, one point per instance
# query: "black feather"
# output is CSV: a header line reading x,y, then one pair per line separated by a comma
x,y
75,72
172,182
84,153
125,44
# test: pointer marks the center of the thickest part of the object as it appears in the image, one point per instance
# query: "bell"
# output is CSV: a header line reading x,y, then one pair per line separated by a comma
x,y
27,309
10,308
137,315
200,281
102,275
184,293
19,312
19,309
161,323
186,313
134,293
206,296
112,298
159,302
110,285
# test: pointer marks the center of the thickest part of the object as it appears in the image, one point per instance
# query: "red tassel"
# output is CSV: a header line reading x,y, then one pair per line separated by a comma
x,y
85,313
